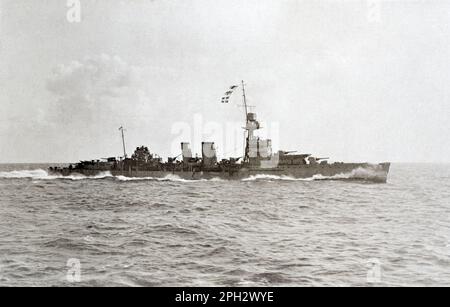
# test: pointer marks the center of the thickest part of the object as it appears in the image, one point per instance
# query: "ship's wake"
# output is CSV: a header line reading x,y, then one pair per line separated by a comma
x,y
39,174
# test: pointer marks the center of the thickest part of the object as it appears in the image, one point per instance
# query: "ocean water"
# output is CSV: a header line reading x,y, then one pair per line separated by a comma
x,y
262,231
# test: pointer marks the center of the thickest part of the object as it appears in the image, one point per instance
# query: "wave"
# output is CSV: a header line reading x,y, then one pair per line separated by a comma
x,y
359,173
274,177
35,174
39,174
170,177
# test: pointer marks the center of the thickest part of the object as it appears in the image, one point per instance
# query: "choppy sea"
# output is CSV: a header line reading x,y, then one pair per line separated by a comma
x,y
262,231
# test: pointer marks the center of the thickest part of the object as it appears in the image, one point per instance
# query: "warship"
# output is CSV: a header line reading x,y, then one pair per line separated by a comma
x,y
258,161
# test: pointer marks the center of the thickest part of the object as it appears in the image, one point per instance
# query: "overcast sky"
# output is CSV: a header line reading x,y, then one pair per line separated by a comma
x,y
351,80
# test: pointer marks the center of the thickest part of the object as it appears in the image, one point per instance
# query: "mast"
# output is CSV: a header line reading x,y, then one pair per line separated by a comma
x,y
245,101
246,133
123,143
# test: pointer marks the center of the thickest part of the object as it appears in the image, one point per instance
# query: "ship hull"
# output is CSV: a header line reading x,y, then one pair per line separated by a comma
x,y
337,171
